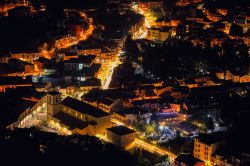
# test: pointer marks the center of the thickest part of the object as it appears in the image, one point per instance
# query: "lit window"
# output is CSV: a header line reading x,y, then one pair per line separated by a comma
x,y
80,66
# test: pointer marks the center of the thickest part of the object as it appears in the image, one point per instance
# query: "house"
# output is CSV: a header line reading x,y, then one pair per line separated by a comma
x,y
187,160
205,104
28,56
157,34
149,104
81,69
65,41
13,82
71,124
77,64
233,76
171,107
4,58
225,158
121,136
132,115
105,104
245,78
91,83
153,4
205,145
26,110
81,50
69,55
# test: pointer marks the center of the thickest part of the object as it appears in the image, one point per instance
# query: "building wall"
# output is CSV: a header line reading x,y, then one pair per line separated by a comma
x,y
203,151
125,141
54,104
245,78
104,107
23,116
115,139
122,119
28,57
89,51
102,123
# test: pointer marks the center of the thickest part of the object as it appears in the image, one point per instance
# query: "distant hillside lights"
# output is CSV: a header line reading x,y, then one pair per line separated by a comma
x,y
234,77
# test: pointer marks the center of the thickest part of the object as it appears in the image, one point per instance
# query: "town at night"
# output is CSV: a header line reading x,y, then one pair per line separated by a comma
x,y
125,82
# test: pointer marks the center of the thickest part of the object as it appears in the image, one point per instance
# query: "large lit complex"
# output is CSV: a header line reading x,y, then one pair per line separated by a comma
x,y
206,145
166,77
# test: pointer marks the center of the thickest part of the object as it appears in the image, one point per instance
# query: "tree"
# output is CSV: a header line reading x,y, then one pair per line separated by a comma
x,y
150,128
165,160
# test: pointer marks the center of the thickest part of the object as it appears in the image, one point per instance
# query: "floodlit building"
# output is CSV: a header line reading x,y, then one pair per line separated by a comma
x,y
121,136
26,56
76,116
132,115
205,146
158,35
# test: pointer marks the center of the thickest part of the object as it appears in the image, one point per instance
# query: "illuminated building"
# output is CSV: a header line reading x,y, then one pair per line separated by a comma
x,y
158,35
79,31
13,82
76,116
88,51
153,4
222,11
28,108
83,111
26,56
206,145
4,58
81,68
69,116
172,107
77,64
121,136
66,41
91,83
69,55
132,115
103,54
106,104
233,76
68,124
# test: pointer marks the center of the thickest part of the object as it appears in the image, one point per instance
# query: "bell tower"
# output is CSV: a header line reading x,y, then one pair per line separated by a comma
x,y
53,102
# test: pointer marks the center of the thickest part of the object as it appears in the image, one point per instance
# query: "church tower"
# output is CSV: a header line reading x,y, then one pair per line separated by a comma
x,y
54,103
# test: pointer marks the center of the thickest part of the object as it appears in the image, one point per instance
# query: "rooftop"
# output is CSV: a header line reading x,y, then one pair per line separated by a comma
x,y
14,81
82,59
70,121
211,138
91,82
106,101
189,160
121,130
83,108
133,110
52,93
